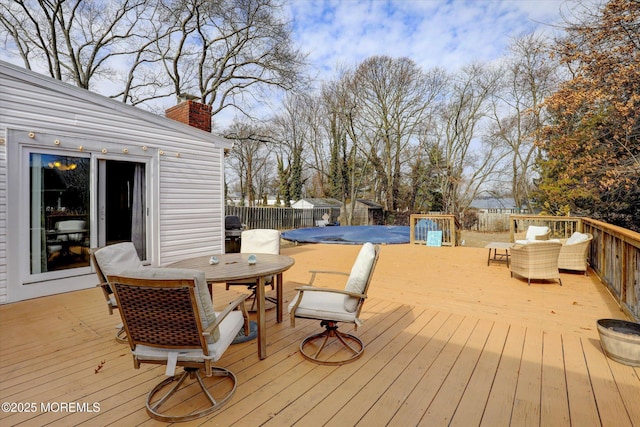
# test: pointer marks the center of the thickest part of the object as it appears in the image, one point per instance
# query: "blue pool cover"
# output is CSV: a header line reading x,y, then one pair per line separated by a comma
x,y
345,234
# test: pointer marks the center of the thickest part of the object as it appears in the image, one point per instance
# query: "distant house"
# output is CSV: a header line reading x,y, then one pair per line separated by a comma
x,y
79,170
497,205
366,212
491,214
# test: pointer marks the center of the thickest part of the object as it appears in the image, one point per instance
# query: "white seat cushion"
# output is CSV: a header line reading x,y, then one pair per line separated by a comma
x,y
527,242
535,230
576,237
203,299
114,259
229,329
260,241
359,275
322,305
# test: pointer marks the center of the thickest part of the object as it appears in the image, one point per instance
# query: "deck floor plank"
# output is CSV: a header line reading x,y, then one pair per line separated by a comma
x,y
500,400
607,395
526,405
417,404
554,406
474,400
446,401
583,409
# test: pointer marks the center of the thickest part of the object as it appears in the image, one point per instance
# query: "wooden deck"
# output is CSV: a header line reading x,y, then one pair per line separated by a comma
x,y
450,341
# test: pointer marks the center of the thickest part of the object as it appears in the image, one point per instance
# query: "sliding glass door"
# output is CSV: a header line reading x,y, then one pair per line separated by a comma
x,y
64,190
59,212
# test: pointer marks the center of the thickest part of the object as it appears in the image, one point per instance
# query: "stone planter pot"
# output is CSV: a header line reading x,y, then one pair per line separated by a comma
x,y
620,340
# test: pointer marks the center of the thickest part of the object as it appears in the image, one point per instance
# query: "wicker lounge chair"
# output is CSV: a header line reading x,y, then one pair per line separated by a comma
x,y
331,306
573,254
537,260
169,318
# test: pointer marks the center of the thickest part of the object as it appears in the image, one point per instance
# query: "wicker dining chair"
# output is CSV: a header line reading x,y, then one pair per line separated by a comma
x,y
537,260
332,306
169,319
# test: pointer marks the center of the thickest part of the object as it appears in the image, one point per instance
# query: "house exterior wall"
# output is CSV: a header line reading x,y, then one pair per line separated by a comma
x,y
184,177
3,216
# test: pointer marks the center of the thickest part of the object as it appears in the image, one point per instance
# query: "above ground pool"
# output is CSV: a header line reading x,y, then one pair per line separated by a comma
x,y
350,234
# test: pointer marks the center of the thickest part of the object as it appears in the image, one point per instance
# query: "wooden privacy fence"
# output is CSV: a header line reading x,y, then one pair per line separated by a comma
x,y
491,222
276,218
614,253
420,225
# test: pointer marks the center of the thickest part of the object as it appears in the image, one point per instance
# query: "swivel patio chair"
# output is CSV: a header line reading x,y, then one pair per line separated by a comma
x,y
537,260
169,319
332,306
111,260
574,251
258,241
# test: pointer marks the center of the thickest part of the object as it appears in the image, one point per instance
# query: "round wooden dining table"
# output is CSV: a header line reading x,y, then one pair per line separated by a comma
x,y
235,266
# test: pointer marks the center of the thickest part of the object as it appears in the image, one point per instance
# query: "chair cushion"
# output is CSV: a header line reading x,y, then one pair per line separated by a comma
x,y
528,242
535,230
359,275
322,305
260,241
114,259
576,237
204,300
229,329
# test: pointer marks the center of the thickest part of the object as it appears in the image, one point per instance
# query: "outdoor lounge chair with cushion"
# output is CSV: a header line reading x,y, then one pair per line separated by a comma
x,y
574,251
536,261
331,306
533,233
111,260
169,319
258,241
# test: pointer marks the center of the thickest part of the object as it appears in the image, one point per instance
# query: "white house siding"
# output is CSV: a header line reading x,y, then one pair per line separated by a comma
x,y
186,177
191,205
3,218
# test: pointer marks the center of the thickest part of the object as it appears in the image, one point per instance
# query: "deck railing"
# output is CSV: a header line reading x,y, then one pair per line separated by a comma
x,y
614,253
276,218
420,225
562,227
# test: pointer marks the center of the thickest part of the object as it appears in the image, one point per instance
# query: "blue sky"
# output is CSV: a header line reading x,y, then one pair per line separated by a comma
x,y
443,33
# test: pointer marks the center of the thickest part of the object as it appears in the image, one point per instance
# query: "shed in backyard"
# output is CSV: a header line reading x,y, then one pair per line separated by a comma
x,y
332,205
365,212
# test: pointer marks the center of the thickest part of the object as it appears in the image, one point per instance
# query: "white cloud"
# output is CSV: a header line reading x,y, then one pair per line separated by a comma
x,y
431,32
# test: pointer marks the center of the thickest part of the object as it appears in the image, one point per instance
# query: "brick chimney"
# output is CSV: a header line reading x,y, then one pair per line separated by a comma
x,y
191,113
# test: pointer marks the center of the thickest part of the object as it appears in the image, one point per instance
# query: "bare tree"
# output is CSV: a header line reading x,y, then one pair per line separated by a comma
x,y
77,41
224,51
393,96
465,168
297,130
248,159
528,77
